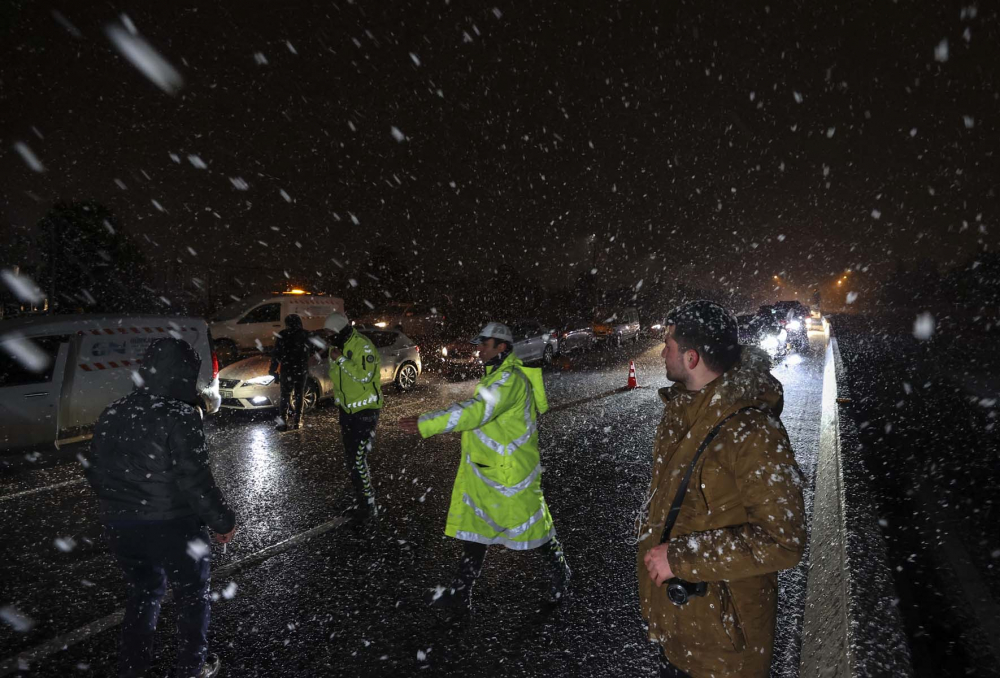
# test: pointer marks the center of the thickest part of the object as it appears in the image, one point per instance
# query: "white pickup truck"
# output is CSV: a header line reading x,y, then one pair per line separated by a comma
x,y
59,372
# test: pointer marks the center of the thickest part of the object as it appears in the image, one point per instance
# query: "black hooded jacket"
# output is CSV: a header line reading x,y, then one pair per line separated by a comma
x,y
291,348
148,459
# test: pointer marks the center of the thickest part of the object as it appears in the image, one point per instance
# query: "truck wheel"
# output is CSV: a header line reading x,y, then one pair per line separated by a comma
x,y
226,351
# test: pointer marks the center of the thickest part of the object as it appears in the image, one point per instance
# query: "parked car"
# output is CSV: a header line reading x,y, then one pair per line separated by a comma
x,y
815,320
59,372
764,331
792,316
617,327
250,325
534,342
414,319
576,335
657,328
246,385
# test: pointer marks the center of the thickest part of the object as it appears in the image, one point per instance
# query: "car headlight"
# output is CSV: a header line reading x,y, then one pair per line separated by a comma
x,y
794,326
260,381
444,351
381,323
769,343
782,336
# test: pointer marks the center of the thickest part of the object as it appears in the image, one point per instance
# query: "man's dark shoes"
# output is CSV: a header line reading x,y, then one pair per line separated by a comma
x,y
457,602
361,520
559,588
211,667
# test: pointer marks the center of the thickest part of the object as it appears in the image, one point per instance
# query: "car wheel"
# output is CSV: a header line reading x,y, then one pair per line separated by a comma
x,y
406,377
547,356
310,396
226,351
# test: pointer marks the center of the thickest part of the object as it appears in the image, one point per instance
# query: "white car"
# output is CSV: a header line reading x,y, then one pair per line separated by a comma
x,y
246,385
249,325
59,372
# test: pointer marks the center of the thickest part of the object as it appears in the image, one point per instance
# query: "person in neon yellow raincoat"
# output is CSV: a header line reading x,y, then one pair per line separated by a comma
x,y
497,496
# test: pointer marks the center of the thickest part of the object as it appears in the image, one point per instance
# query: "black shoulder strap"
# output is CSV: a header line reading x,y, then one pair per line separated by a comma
x,y
675,508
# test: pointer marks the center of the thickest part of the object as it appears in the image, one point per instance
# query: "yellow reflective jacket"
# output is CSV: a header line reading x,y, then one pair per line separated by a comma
x,y
357,382
497,496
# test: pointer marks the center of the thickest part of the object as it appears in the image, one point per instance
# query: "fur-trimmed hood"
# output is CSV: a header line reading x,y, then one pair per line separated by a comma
x,y
747,384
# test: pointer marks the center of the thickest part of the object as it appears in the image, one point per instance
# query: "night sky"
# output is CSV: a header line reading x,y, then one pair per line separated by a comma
x,y
710,140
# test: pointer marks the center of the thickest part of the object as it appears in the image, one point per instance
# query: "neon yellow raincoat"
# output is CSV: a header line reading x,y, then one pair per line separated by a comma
x,y
497,497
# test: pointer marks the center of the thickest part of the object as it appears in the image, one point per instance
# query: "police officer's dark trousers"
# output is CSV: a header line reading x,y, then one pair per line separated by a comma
x,y
292,381
150,553
358,433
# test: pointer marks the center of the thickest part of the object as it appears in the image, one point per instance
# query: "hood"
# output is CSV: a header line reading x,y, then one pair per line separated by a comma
x,y
747,384
293,322
170,369
248,368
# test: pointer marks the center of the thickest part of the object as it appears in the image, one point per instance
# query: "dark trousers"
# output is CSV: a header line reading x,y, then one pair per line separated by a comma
x,y
358,433
474,555
150,553
668,670
292,381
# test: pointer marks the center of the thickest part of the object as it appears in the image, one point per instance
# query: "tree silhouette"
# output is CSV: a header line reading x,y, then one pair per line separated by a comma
x,y
86,262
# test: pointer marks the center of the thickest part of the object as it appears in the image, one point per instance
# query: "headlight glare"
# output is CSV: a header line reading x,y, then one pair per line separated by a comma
x,y
259,381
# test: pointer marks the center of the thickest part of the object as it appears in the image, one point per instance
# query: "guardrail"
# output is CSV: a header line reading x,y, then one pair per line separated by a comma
x,y
852,626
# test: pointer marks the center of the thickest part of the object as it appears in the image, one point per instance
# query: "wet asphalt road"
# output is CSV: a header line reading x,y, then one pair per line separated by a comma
x,y
341,604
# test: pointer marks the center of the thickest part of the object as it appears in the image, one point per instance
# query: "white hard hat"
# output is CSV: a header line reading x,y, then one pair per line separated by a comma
x,y
497,331
336,321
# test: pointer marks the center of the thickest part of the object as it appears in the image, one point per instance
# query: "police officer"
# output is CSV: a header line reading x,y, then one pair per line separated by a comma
x,y
357,388
497,496
291,352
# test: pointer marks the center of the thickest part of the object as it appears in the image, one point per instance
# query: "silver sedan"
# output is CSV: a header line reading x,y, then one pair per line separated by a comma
x,y
246,385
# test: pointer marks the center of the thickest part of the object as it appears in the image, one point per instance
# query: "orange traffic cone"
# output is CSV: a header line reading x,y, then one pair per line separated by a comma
x,y
632,382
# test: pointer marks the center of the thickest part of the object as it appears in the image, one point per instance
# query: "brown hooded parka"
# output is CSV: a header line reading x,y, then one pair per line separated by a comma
x,y
741,521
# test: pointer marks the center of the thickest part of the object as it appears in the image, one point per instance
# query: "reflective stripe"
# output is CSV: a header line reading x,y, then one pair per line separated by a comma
x,y
509,531
505,490
497,447
494,396
504,541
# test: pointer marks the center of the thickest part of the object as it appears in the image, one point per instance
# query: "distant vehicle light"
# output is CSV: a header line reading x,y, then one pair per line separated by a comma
x,y
381,323
769,343
444,351
794,326
657,327
260,381
297,291
782,336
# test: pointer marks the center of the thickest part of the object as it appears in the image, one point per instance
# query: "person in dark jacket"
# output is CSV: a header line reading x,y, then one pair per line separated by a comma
x,y
148,464
291,352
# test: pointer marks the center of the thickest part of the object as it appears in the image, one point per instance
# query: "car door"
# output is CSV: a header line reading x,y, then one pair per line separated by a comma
x,y
31,381
259,325
533,343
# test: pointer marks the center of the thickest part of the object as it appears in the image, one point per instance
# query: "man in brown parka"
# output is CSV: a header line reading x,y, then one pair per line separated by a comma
x,y
742,518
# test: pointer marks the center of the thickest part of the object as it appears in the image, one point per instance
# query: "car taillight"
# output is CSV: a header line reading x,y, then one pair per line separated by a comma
x,y
215,365
417,349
